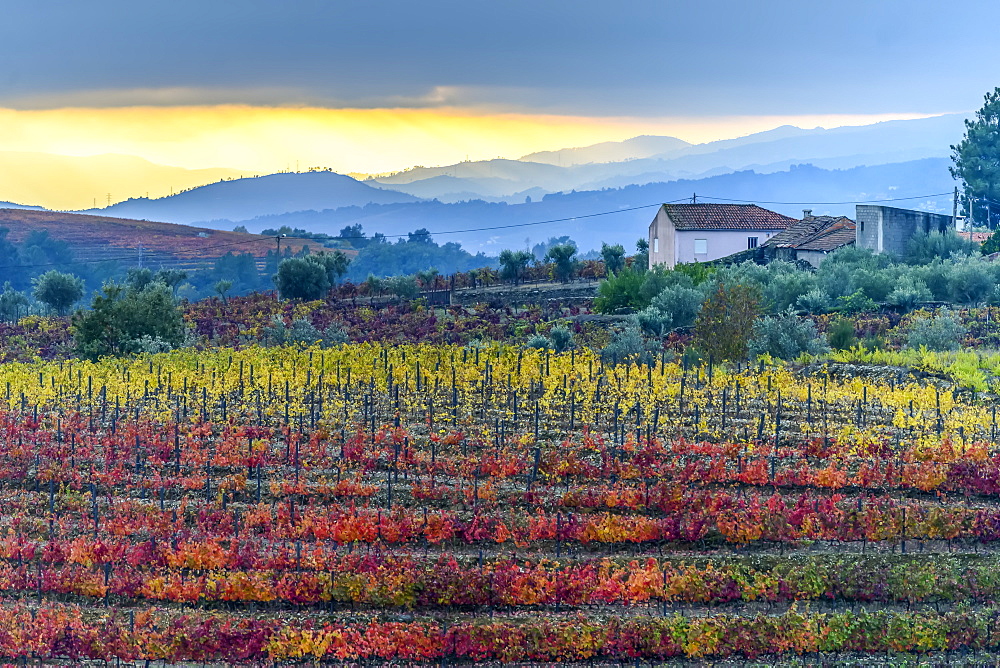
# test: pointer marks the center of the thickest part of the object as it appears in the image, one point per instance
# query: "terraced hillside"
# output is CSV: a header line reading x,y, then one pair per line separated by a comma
x,y
96,238
429,504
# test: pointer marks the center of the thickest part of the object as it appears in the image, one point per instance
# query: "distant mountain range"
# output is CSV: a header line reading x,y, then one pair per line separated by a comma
x,y
490,226
786,169
13,205
256,196
633,161
645,146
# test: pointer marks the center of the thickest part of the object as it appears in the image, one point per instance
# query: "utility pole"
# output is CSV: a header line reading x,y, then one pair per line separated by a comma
x,y
972,213
954,209
140,256
694,198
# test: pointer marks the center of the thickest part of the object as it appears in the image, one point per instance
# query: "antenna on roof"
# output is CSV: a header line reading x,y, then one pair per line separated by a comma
x,y
694,198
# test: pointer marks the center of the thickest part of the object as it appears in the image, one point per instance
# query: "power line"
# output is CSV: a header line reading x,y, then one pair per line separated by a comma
x,y
870,201
269,238
125,258
504,227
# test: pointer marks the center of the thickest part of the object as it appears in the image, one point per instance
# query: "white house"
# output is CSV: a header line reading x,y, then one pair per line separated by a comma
x,y
702,232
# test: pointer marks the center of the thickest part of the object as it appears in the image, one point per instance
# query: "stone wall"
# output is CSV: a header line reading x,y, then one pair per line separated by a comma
x,y
885,229
575,292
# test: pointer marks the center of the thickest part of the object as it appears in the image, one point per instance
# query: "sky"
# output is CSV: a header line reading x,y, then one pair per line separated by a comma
x,y
260,86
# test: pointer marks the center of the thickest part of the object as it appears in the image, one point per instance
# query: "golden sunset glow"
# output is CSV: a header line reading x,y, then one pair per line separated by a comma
x,y
258,140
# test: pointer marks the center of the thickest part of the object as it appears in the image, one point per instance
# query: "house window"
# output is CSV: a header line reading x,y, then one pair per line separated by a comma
x,y
701,246
751,242
656,244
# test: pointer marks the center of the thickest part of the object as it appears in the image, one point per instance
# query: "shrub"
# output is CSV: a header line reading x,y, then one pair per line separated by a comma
x,y
652,322
873,342
126,320
621,290
786,337
627,346
924,248
834,279
698,272
841,335
676,306
561,338
13,304
151,344
991,245
938,333
787,286
540,342
814,301
909,291
746,273
971,281
723,326
301,333
655,281
876,284
937,277
858,302
404,287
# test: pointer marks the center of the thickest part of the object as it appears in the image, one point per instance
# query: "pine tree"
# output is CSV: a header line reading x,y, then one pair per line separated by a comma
x,y
977,162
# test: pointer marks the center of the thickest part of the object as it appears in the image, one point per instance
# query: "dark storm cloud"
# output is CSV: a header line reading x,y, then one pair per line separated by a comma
x,y
660,58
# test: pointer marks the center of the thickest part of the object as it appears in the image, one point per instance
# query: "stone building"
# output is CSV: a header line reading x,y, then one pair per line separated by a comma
x,y
704,232
811,239
884,229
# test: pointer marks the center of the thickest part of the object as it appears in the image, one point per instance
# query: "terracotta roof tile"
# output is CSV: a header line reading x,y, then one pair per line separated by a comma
x,y
978,237
725,217
816,233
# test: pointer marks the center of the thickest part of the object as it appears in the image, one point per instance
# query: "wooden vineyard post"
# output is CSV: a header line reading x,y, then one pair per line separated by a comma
x,y
777,421
809,404
537,415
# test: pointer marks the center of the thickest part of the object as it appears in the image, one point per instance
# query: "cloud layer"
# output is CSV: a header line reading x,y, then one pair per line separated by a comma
x,y
638,58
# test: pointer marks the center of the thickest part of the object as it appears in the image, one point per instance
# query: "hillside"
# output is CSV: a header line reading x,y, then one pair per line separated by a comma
x,y
98,238
257,196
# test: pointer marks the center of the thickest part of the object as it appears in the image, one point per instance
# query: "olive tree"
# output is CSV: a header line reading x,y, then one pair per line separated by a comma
x,y
57,290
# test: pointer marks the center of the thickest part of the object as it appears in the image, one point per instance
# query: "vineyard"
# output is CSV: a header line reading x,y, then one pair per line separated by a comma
x,y
436,503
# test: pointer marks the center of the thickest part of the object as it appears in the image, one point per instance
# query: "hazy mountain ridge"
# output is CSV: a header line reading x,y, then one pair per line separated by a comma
x,y
786,164
28,207
463,221
637,147
777,149
255,196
